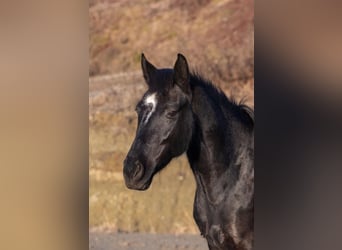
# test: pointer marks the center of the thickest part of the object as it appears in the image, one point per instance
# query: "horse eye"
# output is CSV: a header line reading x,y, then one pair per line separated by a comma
x,y
171,113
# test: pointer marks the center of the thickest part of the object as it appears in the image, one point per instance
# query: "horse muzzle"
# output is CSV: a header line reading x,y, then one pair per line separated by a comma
x,y
133,173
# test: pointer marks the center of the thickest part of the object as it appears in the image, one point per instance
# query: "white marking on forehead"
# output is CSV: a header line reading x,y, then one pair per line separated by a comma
x,y
150,100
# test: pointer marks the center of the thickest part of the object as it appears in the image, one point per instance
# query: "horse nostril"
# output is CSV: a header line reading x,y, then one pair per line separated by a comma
x,y
138,171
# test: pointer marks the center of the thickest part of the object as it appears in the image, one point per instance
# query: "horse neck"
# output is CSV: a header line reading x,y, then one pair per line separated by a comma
x,y
214,149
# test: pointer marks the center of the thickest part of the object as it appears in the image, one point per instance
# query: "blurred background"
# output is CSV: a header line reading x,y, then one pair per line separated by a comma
x,y
217,38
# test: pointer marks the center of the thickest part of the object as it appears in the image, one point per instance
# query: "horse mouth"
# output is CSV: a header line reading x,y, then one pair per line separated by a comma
x,y
140,186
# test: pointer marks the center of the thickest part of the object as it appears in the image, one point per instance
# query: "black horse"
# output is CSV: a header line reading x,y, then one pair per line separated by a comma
x,y
182,112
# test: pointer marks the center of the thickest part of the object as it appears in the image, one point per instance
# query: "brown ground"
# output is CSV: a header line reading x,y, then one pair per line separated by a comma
x,y
141,241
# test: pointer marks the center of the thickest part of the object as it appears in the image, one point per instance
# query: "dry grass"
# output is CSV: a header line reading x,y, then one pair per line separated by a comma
x,y
217,37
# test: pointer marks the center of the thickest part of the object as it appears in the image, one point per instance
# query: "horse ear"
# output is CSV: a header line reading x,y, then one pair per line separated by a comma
x,y
147,68
181,74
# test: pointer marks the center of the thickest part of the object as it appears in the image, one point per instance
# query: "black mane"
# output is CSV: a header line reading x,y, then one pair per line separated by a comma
x,y
242,112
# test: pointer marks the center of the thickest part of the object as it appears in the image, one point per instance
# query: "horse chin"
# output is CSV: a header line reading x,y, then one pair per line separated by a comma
x,y
141,186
